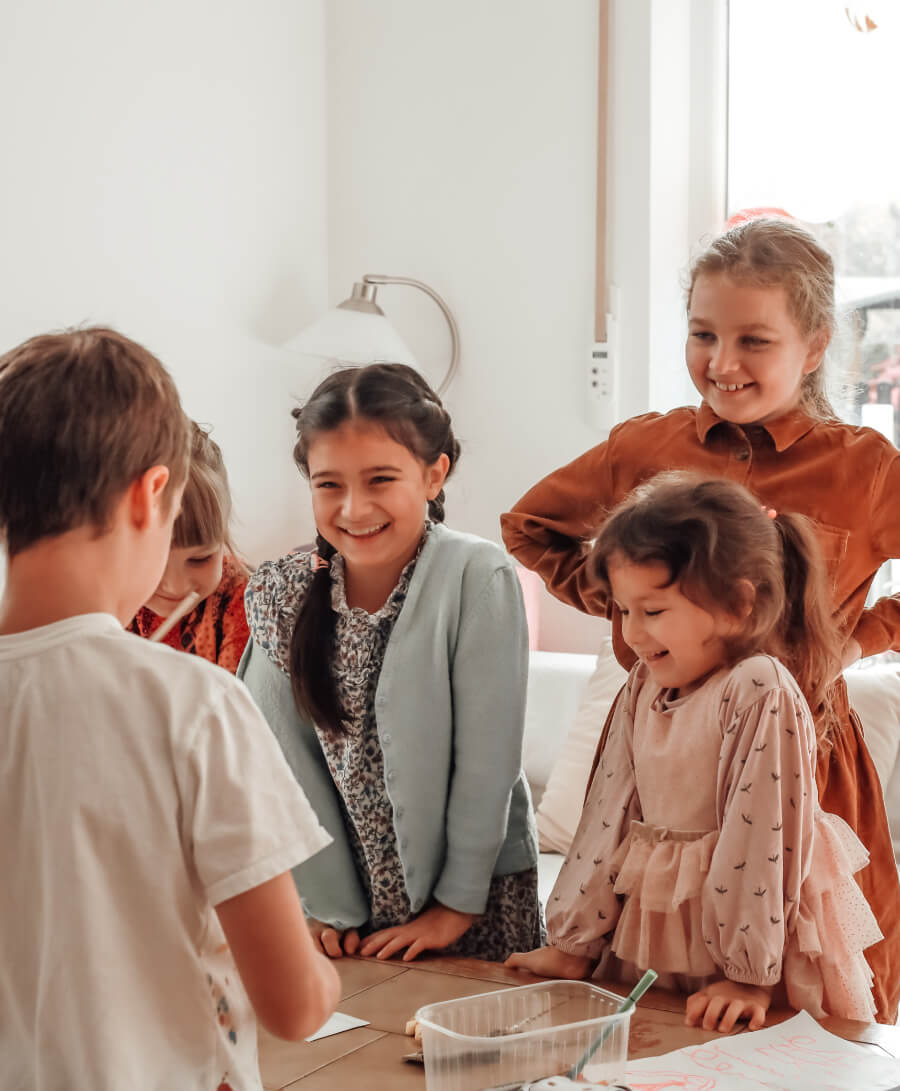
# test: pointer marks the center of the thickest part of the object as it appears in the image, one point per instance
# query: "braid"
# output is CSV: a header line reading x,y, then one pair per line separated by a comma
x,y
312,650
436,508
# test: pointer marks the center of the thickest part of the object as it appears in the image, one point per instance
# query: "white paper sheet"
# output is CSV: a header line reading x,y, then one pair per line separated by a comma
x,y
337,1024
797,1055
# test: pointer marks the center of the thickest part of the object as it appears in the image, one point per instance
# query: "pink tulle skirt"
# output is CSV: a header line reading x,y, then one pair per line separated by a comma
x,y
824,971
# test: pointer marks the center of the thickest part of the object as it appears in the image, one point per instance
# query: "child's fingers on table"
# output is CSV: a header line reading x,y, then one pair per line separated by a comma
x,y
351,941
695,1007
415,949
331,943
757,1016
373,943
714,1008
732,1013
394,945
518,960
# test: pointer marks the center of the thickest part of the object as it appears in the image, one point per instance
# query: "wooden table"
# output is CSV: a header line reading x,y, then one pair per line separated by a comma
x,y
387,994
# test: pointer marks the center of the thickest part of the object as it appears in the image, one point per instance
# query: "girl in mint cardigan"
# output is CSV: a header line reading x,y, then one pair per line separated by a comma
x,y
391,664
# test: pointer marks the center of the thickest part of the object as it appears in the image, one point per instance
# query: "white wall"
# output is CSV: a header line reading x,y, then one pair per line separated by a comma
x,y
462,152
208,177
164,171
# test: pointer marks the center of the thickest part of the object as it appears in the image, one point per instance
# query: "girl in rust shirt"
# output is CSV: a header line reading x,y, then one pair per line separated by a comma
x,y
202,559
761,314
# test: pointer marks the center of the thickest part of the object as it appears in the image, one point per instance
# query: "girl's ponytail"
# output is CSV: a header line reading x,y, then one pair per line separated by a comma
x,y
312,649
810,639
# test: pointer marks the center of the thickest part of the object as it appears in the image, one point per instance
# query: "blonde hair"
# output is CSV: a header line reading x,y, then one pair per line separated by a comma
x,y
769,252
206,503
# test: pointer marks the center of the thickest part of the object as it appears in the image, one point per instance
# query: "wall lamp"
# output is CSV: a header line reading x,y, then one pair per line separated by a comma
x,y
357,332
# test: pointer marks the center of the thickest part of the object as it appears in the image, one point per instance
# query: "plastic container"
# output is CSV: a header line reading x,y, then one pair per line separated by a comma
x,y
516,1036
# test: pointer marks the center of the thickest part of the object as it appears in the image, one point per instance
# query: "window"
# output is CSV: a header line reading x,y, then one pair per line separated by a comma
x,y
811,84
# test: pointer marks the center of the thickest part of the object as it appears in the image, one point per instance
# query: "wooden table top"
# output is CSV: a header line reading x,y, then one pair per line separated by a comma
x,y
387,994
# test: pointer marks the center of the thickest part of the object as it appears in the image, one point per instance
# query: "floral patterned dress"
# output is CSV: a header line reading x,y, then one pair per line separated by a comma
x,y
512,919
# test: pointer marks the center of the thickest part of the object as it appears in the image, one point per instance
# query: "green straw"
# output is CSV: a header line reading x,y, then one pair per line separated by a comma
x,y
627,1004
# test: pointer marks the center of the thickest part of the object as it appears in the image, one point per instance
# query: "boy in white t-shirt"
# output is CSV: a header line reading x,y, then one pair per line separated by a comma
x,y
149,821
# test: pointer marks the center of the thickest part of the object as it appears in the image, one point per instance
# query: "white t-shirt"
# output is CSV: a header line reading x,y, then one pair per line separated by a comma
x,y
139,787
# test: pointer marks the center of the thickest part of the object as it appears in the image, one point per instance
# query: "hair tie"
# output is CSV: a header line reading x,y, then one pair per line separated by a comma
x,y
316,562
771,512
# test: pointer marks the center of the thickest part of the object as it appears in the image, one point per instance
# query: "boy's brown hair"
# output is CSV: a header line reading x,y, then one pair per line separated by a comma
x,y
83,414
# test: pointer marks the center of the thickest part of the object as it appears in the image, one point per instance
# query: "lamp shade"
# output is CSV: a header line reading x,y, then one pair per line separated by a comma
x,y
353,337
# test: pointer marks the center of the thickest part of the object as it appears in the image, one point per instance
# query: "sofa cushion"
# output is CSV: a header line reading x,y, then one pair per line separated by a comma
x,y
560,805
556,682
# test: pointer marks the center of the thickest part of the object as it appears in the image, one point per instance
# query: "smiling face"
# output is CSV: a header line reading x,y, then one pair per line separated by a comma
x,y
192,568
369,496
680,642
745,353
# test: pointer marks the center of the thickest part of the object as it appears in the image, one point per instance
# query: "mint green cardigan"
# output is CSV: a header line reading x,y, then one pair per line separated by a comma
x,y
449,707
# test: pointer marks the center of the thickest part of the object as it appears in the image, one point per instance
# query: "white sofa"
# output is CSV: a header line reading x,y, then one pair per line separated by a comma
x,y
556,751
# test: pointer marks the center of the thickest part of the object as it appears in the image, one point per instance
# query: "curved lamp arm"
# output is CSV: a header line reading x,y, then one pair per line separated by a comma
x,y
377,278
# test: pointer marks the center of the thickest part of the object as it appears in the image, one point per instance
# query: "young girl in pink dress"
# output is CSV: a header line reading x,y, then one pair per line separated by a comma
x,y
703,852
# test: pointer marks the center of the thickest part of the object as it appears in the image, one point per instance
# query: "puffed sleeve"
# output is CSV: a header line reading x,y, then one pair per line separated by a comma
x,y
766,800
550,529
583,909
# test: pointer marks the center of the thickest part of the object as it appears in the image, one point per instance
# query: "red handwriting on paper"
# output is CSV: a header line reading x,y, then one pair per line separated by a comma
x,y
791,1052
670,1081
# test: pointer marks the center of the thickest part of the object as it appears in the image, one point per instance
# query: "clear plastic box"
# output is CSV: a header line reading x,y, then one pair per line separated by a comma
x,y
521,1035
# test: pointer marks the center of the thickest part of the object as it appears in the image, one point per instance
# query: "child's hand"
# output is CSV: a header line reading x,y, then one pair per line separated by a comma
x,y
331,941
724,1002
551,962
435,928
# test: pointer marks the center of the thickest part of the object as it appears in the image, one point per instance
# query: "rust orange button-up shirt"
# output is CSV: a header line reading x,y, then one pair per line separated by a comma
x,y
846,480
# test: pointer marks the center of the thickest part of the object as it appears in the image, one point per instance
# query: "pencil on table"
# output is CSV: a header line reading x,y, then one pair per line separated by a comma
x,y
189,601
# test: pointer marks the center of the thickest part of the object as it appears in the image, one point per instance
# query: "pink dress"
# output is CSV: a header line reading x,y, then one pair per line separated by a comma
x,y
702,849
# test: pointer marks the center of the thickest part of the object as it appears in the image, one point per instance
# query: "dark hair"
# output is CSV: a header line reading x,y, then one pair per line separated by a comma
x,y
711,535
399,400
83,414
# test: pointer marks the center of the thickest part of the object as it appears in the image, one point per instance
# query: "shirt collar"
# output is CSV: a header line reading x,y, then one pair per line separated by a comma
x,y
785,431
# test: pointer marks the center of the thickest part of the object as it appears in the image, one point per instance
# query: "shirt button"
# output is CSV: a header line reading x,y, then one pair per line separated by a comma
x,y
391,777
410,872
404,841
742,455
399,812
386,739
